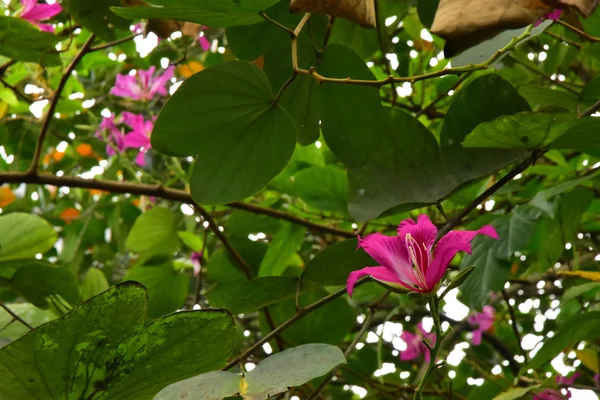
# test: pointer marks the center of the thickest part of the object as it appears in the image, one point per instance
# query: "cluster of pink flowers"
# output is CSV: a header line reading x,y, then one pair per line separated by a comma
x,y
118,141
551,394
415,347
144,85
34,13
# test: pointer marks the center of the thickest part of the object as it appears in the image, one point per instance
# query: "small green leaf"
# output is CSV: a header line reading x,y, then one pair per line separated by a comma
x,y
348,111
458,280
37,280
581,135
93,284
20,40
167,287
61,359
541,97
289,368
217,14
24,236
524,130
515,393
583,326
576,291
323,188
154,233
261,292
332,266
287,241
191,240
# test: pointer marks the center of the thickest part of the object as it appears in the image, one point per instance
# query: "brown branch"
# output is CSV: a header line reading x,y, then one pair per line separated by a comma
x,y
54,102
14,316
441,96
590,110
113,43
16,91
160,192
543,75
6,66
578,31
513,319
563,39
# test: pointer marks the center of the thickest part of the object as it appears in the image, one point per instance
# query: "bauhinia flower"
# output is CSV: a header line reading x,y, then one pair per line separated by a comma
x,y
551,394
144,85
414,343
196,258
482,322
114,136
139,137
567,380
409,260
34,13
553,15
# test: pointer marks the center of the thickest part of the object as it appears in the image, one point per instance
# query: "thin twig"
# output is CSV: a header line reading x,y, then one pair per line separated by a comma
x,y
6,66
54,102
513,319
271,20
16,91
14,316
590,110
563,39
543,75
443,95
162,193
113,43
306,310
578,31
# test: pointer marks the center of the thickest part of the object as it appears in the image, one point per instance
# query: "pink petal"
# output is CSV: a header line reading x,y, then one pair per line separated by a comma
x,y
28,5
423,230
136,140
159,83
414,346
204,43
444,253
140,159
476,338
134,121
126,86
380,273
390,252
43,27
42,12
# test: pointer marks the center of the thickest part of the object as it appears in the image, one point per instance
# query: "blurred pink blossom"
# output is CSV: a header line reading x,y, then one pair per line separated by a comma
x,y
144,85
116,138
139,137
482,322
34,13
414,343
553,15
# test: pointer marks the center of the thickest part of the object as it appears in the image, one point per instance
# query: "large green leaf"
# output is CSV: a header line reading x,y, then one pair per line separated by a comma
x,y
226,114
167,287
290,368
27,312
540,96
323,188
223,278
332,266
217,14
261,292
579,327
22,41
363,41
581,135
96,16
36,280
154,232
103,347
287,241
411,169
24,235
93,283
350,114
524,130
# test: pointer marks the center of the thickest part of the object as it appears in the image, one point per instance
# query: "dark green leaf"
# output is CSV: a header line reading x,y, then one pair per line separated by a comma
x,y
62,359
217,14
363,41
261,292
29,313
323,188
576,291
332,266
36,281
301,101
167,287
426,10
581,135
543,97
24,235
22,41
348,112
96,16
591,91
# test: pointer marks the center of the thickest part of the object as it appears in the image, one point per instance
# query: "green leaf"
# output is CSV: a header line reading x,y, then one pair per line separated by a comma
x,y
348,111
226,114
591,91
576,291
323,188
287,241
458,280
516,393
583,326
29,313
541,97
301,101
542,198
426,10
37,280
93,284
581,135
276,374
217,14
167,287
22,41
363,41
154,233
332,266
61,359
224,279
24,235
261,292
191,240
524,130
96,16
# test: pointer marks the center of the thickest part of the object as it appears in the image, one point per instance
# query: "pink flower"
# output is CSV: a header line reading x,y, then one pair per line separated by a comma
x,y
553,15
482,322
139,137
567,381
408,260
551,394
144,85
116,139
196,257
34,12
414,343
204,42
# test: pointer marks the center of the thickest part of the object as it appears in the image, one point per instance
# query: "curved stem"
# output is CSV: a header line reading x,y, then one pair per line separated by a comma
x,y
433,350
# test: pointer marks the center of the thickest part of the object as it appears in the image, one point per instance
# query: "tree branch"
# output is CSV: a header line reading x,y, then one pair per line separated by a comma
x,y
113,43
515,328
54,102
14,316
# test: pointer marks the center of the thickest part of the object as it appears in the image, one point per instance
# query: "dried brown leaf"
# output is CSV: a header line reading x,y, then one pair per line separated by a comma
x,y
360,11
585,7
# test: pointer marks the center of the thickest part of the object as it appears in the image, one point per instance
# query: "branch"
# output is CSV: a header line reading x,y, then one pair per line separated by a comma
x,y
578,31
160,192
513,319
16,91
14,316
53,103
590,110
113,43
301,313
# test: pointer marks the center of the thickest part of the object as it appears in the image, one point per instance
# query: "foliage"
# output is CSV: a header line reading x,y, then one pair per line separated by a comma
x,y
182,185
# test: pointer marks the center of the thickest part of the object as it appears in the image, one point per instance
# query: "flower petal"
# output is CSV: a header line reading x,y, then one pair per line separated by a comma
x,y
140,159
414,347
43,11
476,338
390,252
159,83
380,273
423,230
28,5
